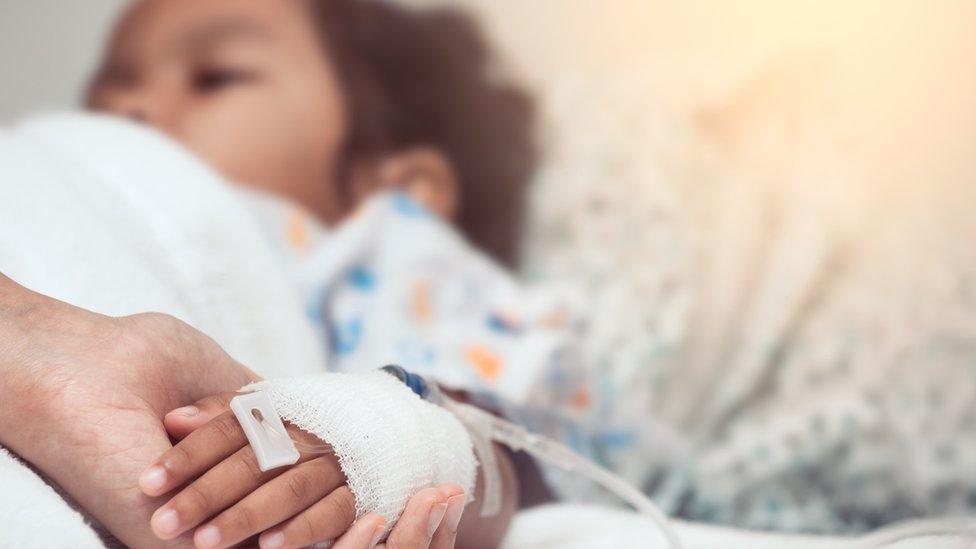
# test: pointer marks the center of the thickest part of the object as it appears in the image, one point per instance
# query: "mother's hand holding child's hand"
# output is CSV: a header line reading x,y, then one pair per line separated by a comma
x,y
294,506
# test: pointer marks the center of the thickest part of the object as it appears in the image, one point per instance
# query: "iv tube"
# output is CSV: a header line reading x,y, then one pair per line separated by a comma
x,y
554,453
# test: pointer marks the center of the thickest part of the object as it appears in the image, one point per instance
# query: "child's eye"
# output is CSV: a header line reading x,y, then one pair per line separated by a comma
x,y
209,80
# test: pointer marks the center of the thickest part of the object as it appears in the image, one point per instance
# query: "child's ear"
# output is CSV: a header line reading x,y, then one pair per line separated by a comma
x,y
424,173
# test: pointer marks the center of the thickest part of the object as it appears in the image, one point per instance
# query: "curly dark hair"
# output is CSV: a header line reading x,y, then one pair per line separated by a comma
x,y
426,77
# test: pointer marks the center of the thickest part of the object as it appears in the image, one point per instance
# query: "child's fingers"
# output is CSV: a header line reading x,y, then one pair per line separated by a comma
x,y
446,533
282,497
199,451
364,534
182,421
218,489
421,518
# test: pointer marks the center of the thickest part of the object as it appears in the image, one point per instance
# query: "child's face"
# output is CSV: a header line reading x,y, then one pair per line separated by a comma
x,y
242,83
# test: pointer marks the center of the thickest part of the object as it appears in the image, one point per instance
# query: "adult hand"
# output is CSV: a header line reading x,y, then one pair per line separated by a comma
x,y
84,394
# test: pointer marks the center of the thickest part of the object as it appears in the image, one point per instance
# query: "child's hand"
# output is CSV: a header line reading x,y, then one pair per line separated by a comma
x,y
310,498
278,498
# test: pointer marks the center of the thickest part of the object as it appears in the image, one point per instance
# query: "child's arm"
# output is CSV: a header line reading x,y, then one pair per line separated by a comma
x,y
231,500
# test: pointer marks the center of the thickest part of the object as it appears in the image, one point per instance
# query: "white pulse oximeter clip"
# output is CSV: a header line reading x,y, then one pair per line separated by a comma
x,y
264,430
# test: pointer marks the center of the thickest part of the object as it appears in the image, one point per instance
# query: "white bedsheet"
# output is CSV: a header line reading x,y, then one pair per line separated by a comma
x,y
570,526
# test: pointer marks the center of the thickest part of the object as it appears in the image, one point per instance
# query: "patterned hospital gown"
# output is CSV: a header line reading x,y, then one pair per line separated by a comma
x,y
395,284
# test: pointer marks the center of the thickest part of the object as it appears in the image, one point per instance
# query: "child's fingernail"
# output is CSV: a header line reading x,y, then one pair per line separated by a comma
x,y
377,536
188,411
208,536
455,507
165,521
436,516
271,540
152,479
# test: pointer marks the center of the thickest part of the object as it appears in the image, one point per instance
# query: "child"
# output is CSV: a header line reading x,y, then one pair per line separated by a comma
x,y
324,103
